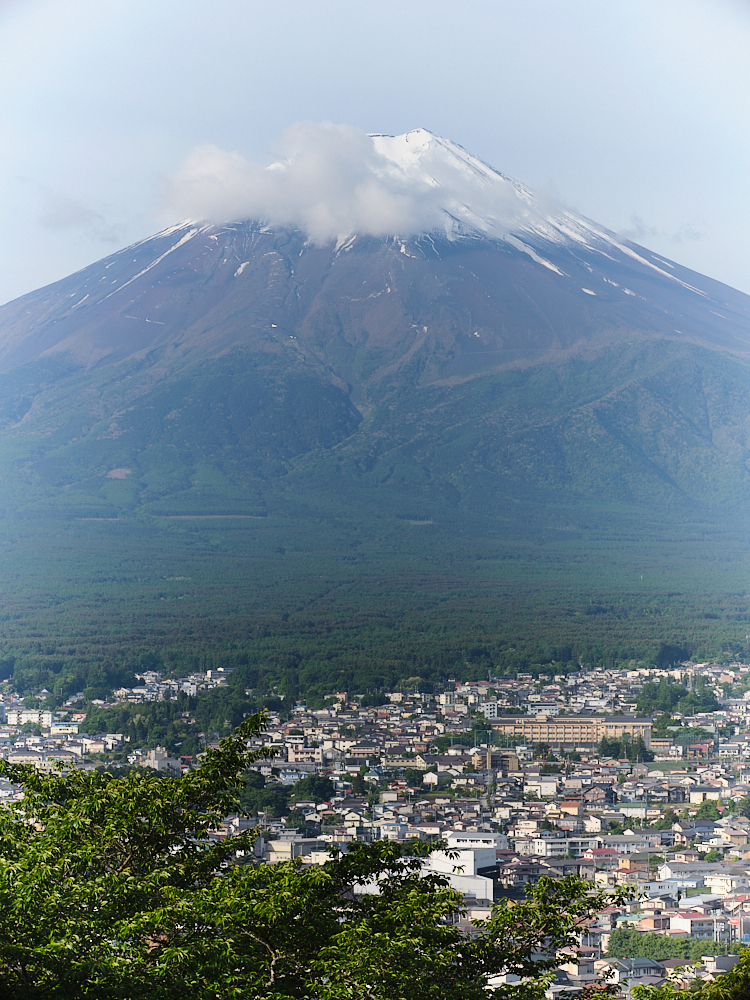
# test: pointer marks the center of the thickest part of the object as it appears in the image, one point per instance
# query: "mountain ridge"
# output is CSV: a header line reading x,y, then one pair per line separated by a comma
x,y
18,324
586,254
429,313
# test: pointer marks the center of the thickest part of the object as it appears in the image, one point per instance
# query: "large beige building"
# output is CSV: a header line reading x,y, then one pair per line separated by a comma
x,y
572,730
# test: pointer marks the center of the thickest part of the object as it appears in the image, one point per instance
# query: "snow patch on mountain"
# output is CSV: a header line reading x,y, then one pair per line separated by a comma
x,y
515,242
335,182
183,239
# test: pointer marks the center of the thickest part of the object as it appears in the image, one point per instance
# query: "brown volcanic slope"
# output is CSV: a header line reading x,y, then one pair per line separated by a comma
x,y
203,288
459,366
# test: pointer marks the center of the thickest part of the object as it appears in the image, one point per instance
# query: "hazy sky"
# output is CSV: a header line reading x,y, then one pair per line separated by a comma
x,y
634,112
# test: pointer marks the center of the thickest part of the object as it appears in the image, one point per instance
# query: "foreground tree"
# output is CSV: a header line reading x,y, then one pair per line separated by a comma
x,y
114,887
733,985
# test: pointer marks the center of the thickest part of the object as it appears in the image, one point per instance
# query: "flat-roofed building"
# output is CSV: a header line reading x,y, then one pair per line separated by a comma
x,y
572,730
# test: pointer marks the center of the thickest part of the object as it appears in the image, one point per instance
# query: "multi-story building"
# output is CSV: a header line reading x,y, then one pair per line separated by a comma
x,y
304,755
556,846
572,730
700,925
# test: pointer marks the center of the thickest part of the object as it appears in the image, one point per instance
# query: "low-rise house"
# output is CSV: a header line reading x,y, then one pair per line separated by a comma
x,y
160,760
598,796
688,856
702,926
304,755
604,858
544,787
724,882
580,867
739,838
719,964
464,869
702,793
290,848
641,970
580,969
34,757
676,869
636,862
632,843
654,922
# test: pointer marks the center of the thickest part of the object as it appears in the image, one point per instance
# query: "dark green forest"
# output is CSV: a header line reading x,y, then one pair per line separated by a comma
x,y
625,749
634,944
310,600
400,556
348,508
667,696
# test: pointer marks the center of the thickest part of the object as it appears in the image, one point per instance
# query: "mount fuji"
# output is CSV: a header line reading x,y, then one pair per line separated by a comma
x,y
471,210
502,365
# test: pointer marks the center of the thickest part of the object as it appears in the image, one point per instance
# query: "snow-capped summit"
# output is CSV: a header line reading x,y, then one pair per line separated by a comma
x,y
472,194
404,233
334,184
476,199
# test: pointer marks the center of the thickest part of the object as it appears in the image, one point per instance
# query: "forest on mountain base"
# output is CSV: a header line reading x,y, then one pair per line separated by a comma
x,y
319,596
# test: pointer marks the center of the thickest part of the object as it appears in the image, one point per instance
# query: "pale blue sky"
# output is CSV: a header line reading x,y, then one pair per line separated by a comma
x,y
635,112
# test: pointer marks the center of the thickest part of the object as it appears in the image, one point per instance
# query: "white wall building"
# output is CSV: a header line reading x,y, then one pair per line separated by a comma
x,y
462,870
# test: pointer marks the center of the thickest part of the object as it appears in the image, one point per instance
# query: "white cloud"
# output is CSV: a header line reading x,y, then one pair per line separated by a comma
x,y
641,231
61,212
327,179
332,181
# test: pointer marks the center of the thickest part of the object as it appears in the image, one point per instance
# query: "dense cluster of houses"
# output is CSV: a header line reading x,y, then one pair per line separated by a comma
x,y
509,773
55,739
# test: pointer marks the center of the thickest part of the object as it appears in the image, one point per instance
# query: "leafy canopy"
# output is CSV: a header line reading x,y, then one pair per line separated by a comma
x,y
633,750
115,887
708,810
636,944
